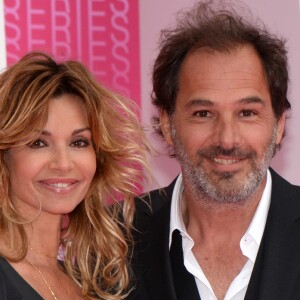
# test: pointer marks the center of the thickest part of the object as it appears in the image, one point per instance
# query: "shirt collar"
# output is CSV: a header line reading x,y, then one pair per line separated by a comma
x,y
257,226
254,231
176,220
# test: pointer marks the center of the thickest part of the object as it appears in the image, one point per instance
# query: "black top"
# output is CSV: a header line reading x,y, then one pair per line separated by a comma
x,y
13,286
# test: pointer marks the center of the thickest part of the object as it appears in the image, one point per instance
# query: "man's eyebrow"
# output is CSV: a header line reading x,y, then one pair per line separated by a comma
x,y
76,131
202,102
209,103
249,100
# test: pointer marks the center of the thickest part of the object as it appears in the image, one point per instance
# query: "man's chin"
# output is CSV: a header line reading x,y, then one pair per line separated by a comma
x,y
225,175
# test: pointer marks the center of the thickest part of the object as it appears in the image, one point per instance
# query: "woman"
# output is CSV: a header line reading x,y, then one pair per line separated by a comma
x,y
68,147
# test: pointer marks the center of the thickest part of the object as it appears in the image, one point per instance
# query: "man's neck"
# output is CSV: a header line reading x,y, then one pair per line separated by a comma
x,y
216,230
205,218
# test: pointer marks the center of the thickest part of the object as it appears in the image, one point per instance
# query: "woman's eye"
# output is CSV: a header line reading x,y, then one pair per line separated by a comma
x,y
37,144
81,143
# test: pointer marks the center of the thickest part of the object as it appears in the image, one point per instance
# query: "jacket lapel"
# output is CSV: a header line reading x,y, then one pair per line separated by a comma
x,y
153,245
277,267
184,282
168,278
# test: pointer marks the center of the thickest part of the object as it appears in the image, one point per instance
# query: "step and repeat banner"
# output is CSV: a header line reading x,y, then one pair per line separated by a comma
x,y
117,40
103,34
2,38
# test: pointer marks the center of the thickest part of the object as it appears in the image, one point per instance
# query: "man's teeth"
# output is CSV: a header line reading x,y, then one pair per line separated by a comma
x,y
223,161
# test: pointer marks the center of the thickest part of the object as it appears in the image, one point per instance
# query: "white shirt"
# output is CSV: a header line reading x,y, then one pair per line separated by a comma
x,y
249,244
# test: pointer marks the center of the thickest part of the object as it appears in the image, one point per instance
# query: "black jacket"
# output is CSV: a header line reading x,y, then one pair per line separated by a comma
x,y
276,273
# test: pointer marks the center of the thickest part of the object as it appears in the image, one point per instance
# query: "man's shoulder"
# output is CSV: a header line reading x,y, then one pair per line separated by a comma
x,y
154,200
285,197
281,184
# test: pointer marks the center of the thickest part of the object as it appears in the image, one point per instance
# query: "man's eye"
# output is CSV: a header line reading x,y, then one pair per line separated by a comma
x,y
203,114
37,144
81,143
247,113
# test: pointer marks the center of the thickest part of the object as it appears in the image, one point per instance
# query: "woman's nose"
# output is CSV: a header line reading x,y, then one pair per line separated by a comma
x,y
61,160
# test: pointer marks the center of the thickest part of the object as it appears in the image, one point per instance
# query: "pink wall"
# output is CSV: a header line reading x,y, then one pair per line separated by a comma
x,y
117,40
280,16
103,34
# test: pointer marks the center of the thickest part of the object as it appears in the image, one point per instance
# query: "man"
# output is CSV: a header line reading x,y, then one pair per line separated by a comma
x,y
228,227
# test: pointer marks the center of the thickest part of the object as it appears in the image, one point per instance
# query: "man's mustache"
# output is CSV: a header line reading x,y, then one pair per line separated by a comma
x,y
234,152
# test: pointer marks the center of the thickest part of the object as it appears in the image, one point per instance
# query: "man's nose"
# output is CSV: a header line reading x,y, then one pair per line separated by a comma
x,y
227,132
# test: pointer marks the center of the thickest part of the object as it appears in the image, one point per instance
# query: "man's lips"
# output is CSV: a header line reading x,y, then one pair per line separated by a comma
x,y
225,161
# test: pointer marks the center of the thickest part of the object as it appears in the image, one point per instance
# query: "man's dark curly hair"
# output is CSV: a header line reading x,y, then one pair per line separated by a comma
x,y
218,26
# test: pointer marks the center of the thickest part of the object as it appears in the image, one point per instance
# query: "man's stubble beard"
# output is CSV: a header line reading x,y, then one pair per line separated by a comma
x,y
226,189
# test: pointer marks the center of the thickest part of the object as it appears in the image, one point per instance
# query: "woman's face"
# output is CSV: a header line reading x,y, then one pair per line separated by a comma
x,y
56,170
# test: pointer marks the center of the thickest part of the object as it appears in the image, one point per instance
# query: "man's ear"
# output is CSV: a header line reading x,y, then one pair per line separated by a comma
x,y
165,126
280,129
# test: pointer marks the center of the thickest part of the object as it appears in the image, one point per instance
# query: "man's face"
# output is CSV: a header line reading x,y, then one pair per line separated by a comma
x,y
223,129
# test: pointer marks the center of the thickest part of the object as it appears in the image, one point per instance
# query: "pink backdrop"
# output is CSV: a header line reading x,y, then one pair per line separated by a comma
x,y
103,34
117,40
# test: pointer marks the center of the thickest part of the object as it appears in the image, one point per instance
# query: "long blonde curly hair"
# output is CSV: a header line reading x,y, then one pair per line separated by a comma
x,y
97,239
